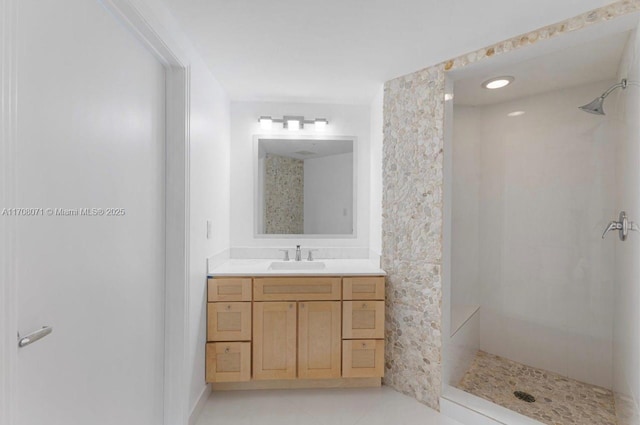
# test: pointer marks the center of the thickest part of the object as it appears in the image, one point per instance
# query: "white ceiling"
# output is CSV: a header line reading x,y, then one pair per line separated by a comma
x,y
593,61
341,51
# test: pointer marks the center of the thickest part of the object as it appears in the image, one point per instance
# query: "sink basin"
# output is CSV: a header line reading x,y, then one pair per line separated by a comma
x,y
297,265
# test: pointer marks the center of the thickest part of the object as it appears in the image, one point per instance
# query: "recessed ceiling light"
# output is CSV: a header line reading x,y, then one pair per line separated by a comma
x,y
448,97
498,82
515,113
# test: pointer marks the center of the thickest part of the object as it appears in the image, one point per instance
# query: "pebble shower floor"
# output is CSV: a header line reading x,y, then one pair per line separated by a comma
x,y
558,400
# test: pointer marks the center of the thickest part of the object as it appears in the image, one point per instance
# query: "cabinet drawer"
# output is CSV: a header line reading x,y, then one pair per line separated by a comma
x,y
363,358
228,362
231,289
363,288
297,288
363,319
229,321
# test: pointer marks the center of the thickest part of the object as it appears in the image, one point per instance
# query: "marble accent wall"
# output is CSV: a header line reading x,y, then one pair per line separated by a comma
x,y
412,209
412,232
283,195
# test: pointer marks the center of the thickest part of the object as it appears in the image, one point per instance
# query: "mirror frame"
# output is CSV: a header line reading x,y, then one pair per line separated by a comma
x,y
256,181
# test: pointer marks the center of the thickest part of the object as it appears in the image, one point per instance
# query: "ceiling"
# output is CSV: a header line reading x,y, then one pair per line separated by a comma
x,y
341,51
596,60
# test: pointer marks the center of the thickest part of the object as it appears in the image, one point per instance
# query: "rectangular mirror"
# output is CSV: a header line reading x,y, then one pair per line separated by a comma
x,y
305,186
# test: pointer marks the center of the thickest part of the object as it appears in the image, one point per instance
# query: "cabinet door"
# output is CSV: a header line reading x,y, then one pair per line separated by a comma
x,y
319,339
363,320
229,322
274,340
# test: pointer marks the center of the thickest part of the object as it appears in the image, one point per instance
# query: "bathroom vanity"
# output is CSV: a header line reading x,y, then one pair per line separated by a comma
x,y
295,324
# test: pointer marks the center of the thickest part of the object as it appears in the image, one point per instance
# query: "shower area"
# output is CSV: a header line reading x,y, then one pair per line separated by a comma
x,y
542,184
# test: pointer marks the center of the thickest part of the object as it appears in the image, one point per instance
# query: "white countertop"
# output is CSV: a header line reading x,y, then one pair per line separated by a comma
x,y
238,267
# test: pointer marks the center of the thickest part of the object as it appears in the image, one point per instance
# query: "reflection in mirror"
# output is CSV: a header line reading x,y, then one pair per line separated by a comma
x,y
305,186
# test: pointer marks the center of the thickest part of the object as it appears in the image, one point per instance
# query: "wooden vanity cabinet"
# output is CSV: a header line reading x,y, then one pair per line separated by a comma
x,y
363,327
295,332
228,356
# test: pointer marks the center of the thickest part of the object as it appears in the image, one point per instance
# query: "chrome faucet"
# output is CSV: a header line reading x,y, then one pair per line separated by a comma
x,y
298,253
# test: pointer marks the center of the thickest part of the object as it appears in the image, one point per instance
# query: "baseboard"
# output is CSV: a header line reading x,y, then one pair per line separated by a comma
x,y
202,400
297,383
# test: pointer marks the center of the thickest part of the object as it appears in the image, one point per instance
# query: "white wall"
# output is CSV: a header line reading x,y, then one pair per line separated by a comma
x,y
546,193
328,195
375,208
210,200
625,110
344,120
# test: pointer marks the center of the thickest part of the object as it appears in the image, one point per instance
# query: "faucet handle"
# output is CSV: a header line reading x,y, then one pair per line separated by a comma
x,y
286,254
310,255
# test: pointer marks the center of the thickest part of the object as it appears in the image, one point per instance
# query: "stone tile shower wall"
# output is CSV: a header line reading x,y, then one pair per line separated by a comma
x,y
412,209
284,195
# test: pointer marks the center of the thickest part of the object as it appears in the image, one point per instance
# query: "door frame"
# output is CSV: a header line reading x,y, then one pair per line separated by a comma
x,y
160,36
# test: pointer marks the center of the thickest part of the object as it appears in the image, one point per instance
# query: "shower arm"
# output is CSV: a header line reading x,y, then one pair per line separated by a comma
x,y
624,83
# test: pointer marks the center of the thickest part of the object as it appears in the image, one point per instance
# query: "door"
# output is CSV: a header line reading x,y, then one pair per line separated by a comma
x,y
319,339
274,340
90,264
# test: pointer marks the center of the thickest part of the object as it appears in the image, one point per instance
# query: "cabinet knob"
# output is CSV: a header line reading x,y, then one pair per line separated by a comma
x,y
302,305
364,345
290,306
228,307
226,350
364,305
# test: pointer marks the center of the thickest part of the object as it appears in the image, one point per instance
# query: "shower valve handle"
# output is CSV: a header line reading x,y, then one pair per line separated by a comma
x,y
623,226
614,225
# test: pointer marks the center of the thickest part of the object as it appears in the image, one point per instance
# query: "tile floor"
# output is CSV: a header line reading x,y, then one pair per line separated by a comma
x,y
559,400
363,406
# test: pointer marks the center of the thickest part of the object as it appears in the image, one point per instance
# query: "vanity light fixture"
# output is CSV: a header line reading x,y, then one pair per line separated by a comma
x,y
292,122
498,82
515,113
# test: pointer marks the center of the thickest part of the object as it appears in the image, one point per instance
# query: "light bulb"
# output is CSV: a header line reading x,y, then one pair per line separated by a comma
x,y
321,124
266,123
293,125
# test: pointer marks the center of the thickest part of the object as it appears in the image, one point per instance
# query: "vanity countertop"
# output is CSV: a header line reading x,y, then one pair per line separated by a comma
x,y
263,267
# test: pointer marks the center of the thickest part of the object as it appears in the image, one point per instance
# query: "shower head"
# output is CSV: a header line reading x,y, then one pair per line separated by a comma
x,y
596,106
